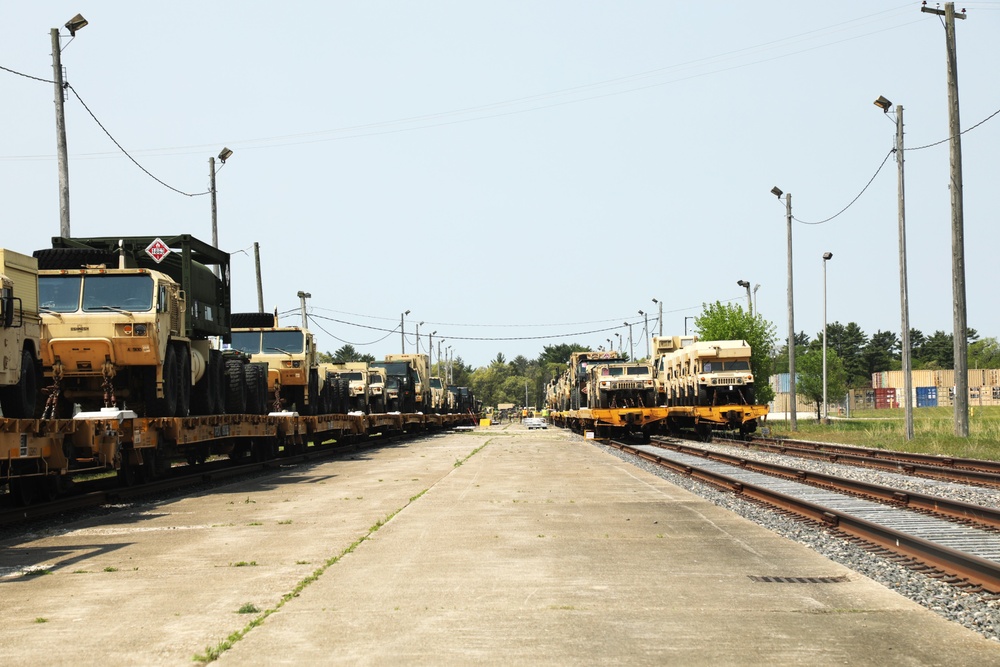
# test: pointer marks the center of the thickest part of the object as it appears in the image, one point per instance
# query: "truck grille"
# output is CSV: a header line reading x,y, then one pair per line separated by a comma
x,y
727,380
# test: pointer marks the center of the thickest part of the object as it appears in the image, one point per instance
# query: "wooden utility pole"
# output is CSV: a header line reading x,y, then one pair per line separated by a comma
x,y
903,291
957,226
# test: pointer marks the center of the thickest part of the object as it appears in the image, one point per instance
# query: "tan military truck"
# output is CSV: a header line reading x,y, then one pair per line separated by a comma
x,y
290,352
620,385
663,374
355,375
420,363
20,330
439,395
134,320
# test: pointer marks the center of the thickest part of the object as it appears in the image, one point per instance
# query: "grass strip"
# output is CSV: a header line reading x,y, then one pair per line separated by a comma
x,y
213,653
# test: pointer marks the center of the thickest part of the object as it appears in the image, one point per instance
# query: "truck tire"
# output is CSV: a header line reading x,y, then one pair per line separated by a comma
x,y
221,381
18,401
166,406
204,394
236,387
256,400
184,381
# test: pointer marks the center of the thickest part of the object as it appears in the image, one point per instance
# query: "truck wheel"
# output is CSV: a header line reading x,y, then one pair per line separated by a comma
x,y
166,406
184,381
203,395
255,402
18,401
236,387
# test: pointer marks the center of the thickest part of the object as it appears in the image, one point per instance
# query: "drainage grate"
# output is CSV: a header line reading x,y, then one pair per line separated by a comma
x,y
799,580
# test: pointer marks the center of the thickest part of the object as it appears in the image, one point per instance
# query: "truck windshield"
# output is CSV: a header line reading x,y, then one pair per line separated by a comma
x,y
247,341
351,376
637,370
59,294
117,292
283,341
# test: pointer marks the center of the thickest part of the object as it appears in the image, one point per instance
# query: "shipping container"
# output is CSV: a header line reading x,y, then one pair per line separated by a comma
x,y
885,397
927,397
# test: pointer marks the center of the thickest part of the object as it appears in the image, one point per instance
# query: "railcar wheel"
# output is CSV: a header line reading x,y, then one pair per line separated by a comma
x,y
128,475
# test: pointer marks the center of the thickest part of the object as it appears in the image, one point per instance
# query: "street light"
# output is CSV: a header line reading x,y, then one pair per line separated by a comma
x,y
826,257
619,342
418,337
689,317
904,307
645,330
224,155
402,332
302,304
74,24
630,351
793,418
746,284
660,319
440,365
755,288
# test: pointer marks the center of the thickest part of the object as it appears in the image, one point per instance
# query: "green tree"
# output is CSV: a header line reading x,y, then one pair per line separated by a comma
x,y
984,353
559,354
720,321
809,369
878,353
849,342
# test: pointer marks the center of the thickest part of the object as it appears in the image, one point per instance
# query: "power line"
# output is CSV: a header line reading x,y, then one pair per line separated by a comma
x,y
884,160
125,152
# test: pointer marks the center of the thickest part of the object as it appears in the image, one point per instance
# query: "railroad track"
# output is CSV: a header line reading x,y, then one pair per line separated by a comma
x,y
958,540
105,493
949,468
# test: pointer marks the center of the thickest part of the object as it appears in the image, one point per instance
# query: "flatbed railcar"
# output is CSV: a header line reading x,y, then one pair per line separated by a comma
x,y
39,457
673,420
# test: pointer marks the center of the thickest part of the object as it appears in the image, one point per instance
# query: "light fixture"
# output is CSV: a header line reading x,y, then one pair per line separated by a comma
x,y
743,283
75,24
776,191
224,155
827,255
883,104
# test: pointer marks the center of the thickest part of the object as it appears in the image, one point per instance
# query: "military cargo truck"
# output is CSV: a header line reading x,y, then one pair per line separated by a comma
x,y
663,374
290,353
355,374
620,385
134,320
400,385
420,363
20,331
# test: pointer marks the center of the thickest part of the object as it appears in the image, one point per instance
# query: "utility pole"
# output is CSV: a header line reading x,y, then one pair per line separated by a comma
x,y
957,226
302,304
260,285
63,158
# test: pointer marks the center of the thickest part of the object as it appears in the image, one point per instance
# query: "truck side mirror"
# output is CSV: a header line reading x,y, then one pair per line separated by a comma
x,y
161,301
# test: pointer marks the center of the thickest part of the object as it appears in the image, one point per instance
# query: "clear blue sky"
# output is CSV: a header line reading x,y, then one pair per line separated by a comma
x,y
518,169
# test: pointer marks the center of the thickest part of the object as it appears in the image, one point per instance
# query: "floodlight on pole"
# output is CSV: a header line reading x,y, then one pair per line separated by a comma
x,y
746,284
660,318
793,418
645,329
904,307
402,331
62,154
224,155
302,303
826,257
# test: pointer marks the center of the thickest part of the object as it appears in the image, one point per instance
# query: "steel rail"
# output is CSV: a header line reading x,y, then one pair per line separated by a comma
x,y
908,458
954,509
966,567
